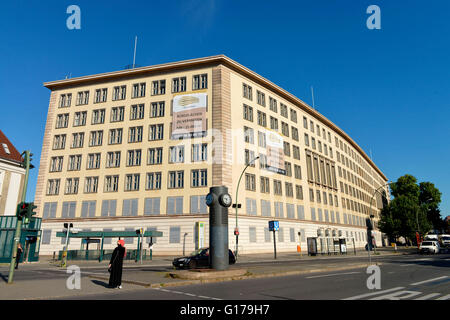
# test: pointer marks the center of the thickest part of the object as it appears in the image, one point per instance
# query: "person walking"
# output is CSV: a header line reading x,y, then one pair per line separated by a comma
x,y
19,254
116,264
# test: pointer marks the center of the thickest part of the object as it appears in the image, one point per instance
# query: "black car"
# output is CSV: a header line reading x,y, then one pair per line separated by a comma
x,y
199,259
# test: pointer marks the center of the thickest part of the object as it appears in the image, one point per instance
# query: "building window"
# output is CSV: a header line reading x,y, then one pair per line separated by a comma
x,y
174,205
130,208
249,157
293,115
88,209
77,140
248,135
65,100
135,134
290,211
176,179
289,189
62,121
137,112
295,133
297,171
176,154
260,98
132,182
199,152
59,142
79,118
198,205
174,235
262,139
158,87
138,90
265,185
278,207
157,109
111,183
83,97
277,188
199,178
53,187
273,104
101,95
93,161
179,84
91,185
152,207
299,192
200,81
154,156
96,138
117,114
285,129
248,113
250,205
288,168
74,163
156,132
72,185
250,182
252,234
153,181
115,136
56,164
265,208
247,91
68,210
287,149
109,208
119,93
273,123
296,152
49,210
134,157
306,140
283,110
262,119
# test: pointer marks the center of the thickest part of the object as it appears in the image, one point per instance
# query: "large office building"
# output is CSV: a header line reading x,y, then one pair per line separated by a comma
x,y
140,148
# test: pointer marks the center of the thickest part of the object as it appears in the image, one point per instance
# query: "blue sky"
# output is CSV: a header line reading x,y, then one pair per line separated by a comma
x,y
389,89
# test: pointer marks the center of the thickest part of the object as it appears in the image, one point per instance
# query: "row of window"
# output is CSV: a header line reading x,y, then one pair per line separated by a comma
x,y
113,158
199,81
130,207
175,180
137,112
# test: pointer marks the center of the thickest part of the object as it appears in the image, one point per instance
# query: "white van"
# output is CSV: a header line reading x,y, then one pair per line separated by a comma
x,y
429,247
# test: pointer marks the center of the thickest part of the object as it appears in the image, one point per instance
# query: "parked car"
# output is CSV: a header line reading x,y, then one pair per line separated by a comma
x,y
198,259
445,240
429,247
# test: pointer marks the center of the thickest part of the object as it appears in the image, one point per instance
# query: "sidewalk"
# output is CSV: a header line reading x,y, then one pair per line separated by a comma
x,y
155,273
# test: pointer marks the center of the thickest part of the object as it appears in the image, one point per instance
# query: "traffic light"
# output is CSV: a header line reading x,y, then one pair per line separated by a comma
x,y
22,210
30,212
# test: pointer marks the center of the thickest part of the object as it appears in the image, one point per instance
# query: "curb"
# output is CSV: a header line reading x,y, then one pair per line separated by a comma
x,y
253,276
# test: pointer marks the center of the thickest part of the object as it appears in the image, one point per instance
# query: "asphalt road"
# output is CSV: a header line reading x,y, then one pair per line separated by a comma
x,y
412,277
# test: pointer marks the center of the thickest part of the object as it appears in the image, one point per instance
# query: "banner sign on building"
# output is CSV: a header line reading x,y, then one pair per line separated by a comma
x,y
275,152
189,115
199,235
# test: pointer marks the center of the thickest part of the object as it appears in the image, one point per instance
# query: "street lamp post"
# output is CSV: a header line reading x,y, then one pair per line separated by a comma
x,y
237,189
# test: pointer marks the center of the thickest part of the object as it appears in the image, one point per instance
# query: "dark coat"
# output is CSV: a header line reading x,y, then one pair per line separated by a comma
x,y
115,278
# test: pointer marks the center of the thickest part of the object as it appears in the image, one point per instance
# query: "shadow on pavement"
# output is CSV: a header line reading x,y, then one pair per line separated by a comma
x,y
5,278
440,261
101,283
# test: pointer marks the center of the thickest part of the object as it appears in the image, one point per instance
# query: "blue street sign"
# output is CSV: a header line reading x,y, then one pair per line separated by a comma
x,y
274,225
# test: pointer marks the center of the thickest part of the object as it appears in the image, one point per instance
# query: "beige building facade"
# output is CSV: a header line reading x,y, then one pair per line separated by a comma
x,y
140,148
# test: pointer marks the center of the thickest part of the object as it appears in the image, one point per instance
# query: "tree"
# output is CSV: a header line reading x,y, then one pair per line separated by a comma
x,y
429,199
411,208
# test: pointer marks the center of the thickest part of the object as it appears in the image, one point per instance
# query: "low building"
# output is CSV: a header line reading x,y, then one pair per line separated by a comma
x,y
12,177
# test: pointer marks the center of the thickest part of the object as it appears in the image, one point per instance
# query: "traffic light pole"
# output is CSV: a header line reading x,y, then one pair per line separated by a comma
x,y
19,222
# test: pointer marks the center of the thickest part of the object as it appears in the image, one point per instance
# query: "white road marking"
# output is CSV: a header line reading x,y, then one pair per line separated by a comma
x,y
431,280
374,293
406,265
398,295
428,296
447,297
330,275
187,294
